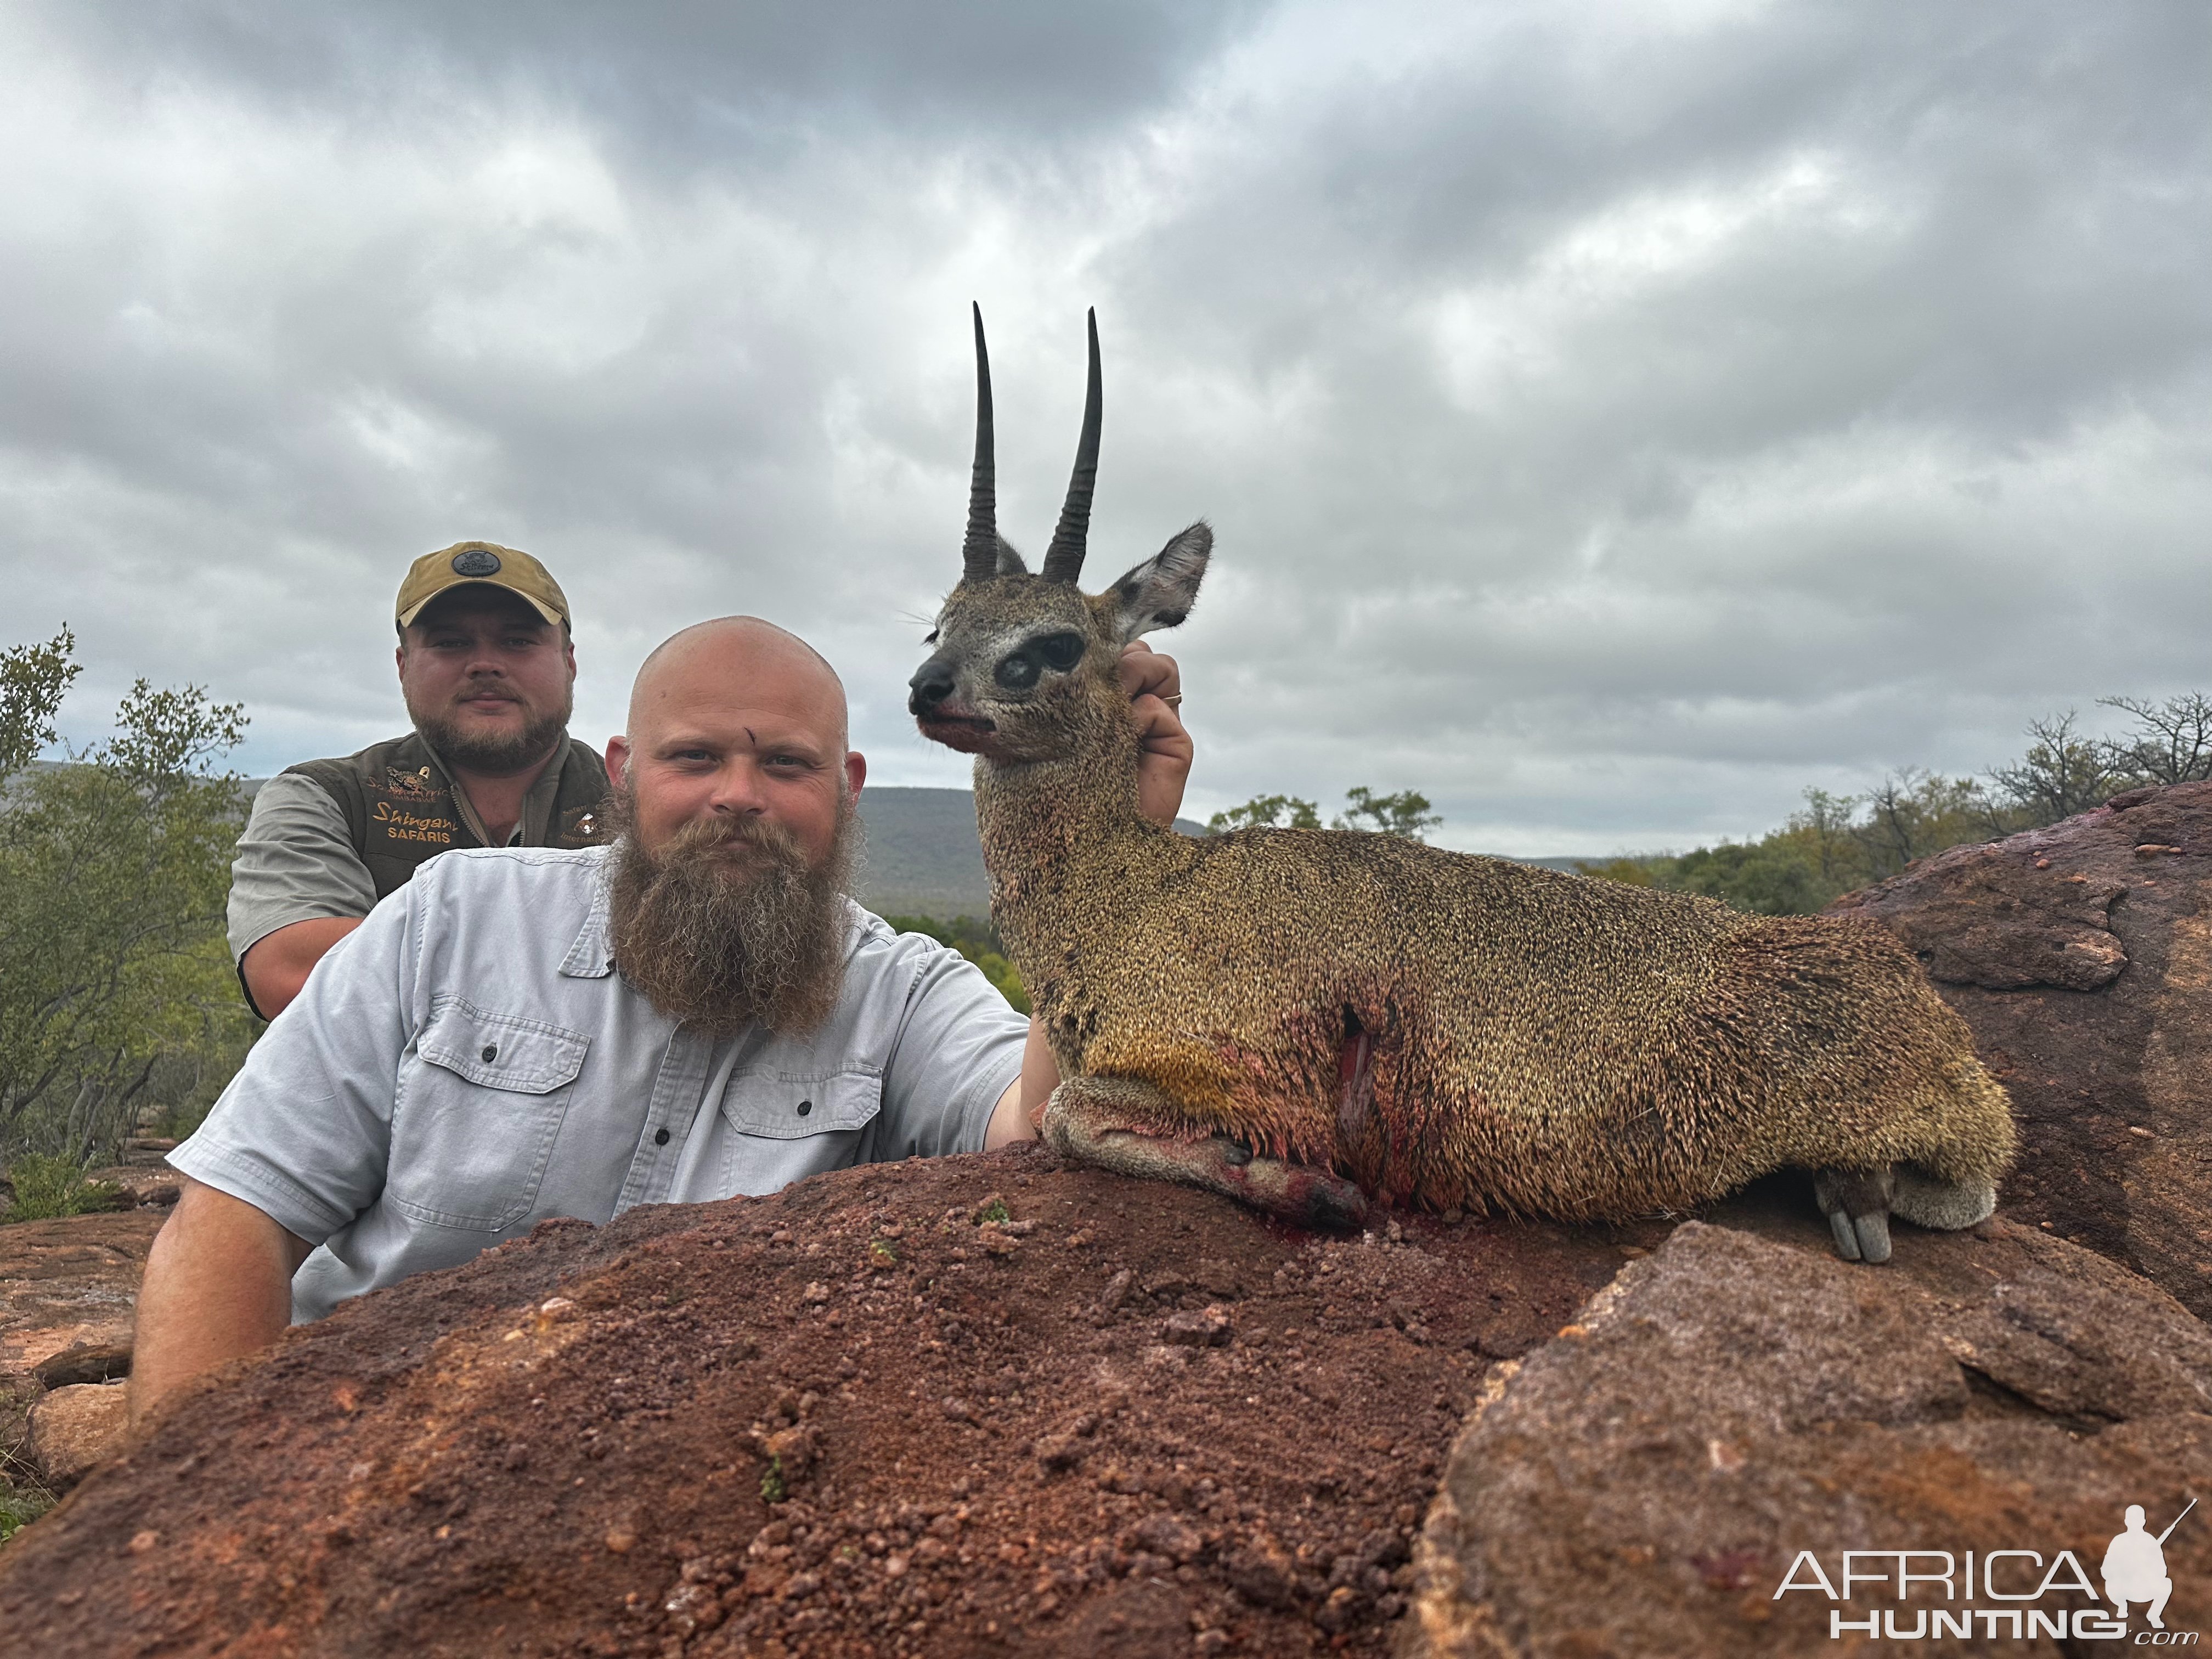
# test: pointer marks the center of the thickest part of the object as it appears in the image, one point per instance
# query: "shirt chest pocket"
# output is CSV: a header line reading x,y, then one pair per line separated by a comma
x,y
480,1100
782,1106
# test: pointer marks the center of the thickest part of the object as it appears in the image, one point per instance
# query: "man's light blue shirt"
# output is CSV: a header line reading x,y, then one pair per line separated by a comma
x,y
467,1063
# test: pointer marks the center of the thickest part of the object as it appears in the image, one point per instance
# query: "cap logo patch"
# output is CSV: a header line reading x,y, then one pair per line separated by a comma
x,y
477,561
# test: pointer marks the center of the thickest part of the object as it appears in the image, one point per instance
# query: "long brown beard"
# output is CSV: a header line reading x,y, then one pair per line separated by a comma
x,y
727,925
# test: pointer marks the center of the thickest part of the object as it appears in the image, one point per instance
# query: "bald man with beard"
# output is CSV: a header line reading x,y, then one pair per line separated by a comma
x,y
695,1011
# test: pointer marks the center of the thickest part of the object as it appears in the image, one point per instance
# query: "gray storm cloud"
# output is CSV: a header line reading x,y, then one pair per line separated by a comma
x,y
1614,420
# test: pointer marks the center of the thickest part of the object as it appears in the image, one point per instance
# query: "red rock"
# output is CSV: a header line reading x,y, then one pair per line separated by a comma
x,y
2012,1393
157,1187
687,1333
65,1284
90,1361
74,1430
70,1283
2081,958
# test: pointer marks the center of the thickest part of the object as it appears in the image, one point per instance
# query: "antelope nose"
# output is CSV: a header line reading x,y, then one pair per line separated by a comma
x,y
931,685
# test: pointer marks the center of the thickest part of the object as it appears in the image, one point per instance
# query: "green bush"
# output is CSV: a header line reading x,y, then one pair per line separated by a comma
x,y
20,1506
1767,877
49,1188
1405,813
118,1004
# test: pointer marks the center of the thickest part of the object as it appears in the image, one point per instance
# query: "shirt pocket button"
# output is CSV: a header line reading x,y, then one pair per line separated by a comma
x,y
804,1106
490,1053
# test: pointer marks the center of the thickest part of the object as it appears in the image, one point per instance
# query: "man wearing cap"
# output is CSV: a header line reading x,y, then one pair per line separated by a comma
x,y
488,670
692,1010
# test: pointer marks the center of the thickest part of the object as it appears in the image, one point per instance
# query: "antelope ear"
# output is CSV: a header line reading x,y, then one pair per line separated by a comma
x,y
1010,562
1159,592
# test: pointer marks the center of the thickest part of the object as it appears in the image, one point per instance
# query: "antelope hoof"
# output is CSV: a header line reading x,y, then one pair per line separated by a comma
x,y
1857,1203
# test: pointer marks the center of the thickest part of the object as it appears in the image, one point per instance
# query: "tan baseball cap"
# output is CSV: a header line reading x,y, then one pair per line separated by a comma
x,y
480,561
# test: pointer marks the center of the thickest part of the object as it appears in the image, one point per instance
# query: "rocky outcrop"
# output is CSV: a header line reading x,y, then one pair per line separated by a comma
x,y
958,1405
1648,1481
153,1186
1002,1405
74,1429
2081,958
66,1292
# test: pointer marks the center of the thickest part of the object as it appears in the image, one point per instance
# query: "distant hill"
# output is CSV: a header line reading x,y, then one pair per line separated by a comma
x,y
923,858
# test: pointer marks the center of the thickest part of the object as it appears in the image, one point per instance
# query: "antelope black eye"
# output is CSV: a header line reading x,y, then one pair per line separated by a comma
x,y
1061,651
1018,673
930,638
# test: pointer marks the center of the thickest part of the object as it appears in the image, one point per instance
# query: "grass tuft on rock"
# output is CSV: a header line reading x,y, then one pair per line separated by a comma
x,y
48,1188
19,1505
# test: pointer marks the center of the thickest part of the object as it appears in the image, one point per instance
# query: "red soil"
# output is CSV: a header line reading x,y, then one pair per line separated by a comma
x,y
1132,1419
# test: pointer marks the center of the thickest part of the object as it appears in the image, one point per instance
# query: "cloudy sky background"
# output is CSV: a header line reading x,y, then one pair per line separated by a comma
x,y
1614,419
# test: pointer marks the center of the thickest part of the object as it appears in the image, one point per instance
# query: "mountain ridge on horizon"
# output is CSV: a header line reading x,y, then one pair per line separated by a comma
x,y
920,856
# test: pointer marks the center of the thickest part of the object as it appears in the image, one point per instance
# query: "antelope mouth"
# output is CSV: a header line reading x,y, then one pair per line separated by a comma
x,y
966,732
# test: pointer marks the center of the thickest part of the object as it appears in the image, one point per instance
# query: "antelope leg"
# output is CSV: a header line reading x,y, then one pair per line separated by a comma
x,y
1094,1121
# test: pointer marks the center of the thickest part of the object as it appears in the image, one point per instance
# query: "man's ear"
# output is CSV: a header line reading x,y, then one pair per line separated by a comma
x,y
618,760
1159,592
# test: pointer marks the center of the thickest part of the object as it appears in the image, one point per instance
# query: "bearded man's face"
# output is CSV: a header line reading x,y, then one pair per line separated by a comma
x,y
488,683
726,922
739,831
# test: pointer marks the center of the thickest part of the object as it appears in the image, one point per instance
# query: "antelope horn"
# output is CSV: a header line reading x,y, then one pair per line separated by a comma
x,y
979,555
1063,560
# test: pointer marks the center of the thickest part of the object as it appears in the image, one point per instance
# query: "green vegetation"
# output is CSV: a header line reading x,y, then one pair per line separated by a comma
x,y
1838,843
996,1210
980,942
1405,813
117,1007
19,1505
773,1488
1266,812
48,1187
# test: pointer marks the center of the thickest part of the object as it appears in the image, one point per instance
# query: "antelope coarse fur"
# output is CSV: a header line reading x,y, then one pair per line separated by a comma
x,y
1439,1029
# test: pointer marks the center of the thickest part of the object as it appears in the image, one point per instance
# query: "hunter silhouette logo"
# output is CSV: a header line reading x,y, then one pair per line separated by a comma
x,y
2135,1566
1997,1595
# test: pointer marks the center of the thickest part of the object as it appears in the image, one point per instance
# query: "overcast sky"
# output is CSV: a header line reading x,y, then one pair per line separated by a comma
x,y
1613,418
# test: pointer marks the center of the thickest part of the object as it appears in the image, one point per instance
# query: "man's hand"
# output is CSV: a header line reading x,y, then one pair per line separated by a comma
x,y
277,965
1164,747
218,1284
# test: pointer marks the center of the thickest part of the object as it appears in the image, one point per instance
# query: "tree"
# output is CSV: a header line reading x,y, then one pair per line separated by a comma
x,y
1836,843
32,678
2060,774
1405,813
1823,828
1266,812
1768,877
1913,813
115,989
2172,742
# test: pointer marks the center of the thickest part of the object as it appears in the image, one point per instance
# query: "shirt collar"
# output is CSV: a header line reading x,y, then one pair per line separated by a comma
x,y
590,955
